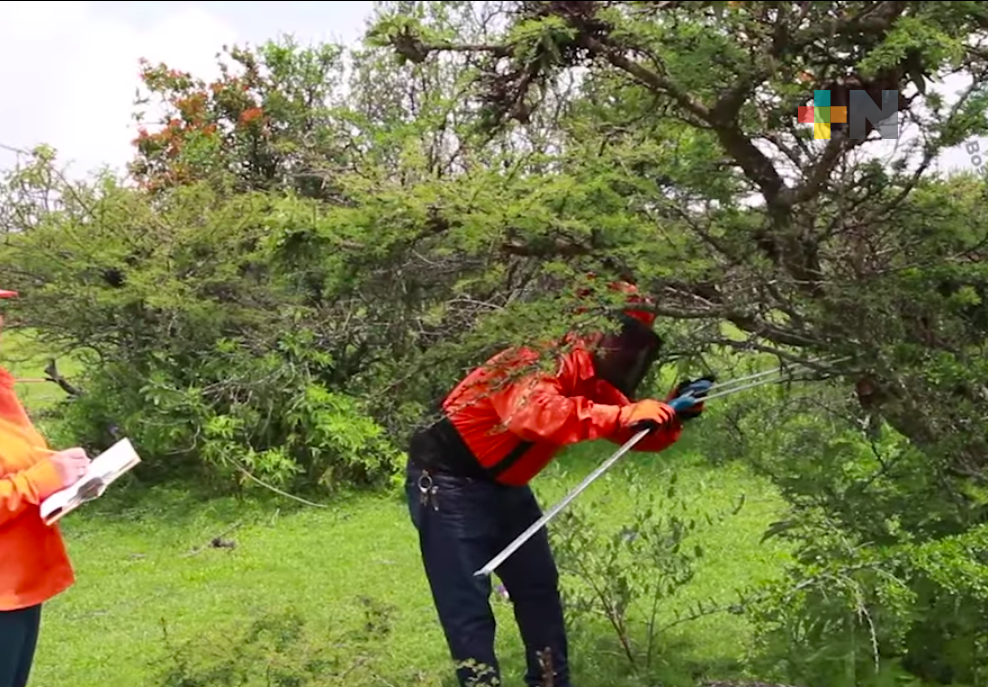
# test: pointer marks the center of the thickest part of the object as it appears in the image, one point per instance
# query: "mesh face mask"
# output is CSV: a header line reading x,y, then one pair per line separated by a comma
x,y
623,358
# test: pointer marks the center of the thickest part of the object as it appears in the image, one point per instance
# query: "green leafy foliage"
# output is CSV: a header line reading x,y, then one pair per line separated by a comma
x,y
623,578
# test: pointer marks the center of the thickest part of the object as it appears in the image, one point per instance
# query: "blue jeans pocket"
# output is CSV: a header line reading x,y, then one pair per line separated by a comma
x,y
467,509
459,507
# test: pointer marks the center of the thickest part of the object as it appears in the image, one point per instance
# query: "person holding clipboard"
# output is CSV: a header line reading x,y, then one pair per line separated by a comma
x,y
34,565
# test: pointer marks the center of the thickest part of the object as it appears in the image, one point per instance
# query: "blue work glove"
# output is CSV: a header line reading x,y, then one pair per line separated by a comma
x,y
687,398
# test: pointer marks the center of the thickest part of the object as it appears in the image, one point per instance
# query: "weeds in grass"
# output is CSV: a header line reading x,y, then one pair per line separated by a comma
x,y
626,576
278,650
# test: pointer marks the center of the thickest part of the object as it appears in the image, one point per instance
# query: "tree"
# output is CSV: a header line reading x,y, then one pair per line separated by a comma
x,y
678,105
225,264
700,183
257,129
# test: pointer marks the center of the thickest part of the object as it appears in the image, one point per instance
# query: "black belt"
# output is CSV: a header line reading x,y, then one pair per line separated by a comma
x,y
441,449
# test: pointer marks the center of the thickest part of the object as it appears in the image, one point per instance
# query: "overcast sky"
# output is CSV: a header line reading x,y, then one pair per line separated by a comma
x,y
69,70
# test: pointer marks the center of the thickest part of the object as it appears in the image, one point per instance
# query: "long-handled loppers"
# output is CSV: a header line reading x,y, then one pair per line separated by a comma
x,y
681,403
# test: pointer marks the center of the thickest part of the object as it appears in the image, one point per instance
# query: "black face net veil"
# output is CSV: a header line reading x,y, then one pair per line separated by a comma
x,y
623,358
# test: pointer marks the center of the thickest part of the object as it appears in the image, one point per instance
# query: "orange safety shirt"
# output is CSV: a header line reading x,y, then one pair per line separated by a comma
x,y
515,429
34,565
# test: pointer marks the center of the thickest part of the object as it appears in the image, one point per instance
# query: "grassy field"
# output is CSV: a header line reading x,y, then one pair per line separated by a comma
x,y
349,574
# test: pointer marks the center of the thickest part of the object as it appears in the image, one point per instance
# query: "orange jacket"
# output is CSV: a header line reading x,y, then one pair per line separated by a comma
x,y
34,565
496,414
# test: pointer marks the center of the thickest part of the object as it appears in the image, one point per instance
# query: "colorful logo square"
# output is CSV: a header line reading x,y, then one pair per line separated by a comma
x,y
821,115
824,116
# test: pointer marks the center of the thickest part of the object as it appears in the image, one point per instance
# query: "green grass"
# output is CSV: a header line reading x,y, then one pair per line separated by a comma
x,y
135,570
143,567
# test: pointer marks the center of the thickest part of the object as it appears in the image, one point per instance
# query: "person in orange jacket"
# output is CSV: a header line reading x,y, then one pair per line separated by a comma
x,y
34,565
467,480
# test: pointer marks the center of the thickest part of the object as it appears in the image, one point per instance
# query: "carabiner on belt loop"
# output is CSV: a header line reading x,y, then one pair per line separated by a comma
x,y
427,490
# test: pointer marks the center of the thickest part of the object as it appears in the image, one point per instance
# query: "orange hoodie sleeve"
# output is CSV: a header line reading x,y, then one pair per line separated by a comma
x,y
538,408
26,478
26,488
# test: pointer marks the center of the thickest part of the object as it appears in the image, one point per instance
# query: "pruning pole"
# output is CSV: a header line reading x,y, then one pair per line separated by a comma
x,y
733,384
551,513
761,379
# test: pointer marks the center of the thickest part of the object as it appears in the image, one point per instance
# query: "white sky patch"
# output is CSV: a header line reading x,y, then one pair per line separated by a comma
x,y
70,76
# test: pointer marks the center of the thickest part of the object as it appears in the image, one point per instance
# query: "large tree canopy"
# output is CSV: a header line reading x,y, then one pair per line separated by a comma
x,y
685,111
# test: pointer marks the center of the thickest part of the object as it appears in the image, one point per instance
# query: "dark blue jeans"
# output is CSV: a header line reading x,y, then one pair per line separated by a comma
x,y
467,523
18,639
